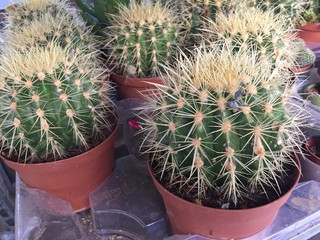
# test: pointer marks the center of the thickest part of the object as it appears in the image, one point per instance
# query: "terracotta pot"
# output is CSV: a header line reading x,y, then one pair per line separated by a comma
x,y
71,179
189,218
313,142
310,32
131,87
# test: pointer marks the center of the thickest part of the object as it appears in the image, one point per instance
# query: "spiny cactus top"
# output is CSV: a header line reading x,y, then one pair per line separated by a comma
x,y
52,100
253,29
294,9
27,10
47,28
221,123
143,37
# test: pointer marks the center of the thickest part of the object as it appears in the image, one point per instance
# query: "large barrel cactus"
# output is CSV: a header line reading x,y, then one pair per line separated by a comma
x,y
293,9
27,10
143,38
47,26
258,30
53,103
222,122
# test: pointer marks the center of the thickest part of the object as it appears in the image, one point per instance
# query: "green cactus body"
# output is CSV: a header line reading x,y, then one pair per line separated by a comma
x,y
292,8
143,38
304,56
221,122
253,29
48,26
52,101
47,29
28,10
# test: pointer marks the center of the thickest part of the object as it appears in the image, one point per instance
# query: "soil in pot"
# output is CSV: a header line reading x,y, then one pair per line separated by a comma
x,y
225,221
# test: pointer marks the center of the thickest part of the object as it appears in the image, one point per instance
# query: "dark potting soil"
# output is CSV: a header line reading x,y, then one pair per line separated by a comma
x,y
214,197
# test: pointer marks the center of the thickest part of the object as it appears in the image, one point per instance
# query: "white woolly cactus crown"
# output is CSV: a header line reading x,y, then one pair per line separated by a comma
x,y
143,37
221,122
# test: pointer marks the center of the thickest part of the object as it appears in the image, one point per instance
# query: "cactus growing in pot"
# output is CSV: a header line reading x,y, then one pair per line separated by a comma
x,y
143,37
57,123
304,56
221,122
53,100
221,126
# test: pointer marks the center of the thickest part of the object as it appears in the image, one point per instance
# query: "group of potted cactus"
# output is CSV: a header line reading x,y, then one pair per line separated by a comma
x,y
218,124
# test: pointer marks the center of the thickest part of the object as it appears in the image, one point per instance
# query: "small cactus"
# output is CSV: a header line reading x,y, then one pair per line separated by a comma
x,y
53,101
221,123
304,56
253,29
143,38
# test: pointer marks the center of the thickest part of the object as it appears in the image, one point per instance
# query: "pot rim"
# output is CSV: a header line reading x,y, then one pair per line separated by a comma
x,y
73,158
298,169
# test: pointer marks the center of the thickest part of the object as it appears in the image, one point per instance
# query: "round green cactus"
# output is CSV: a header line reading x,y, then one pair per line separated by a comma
x,y
304,56
53,101
222,122
28,10
253,29
143,37
47,28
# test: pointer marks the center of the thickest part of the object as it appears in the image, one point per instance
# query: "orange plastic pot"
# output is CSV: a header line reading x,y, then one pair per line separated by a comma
x,y
189,218
310,32
132,87
71,179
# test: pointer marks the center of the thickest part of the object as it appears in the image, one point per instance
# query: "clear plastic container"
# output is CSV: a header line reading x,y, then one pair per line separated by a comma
x,y
128,203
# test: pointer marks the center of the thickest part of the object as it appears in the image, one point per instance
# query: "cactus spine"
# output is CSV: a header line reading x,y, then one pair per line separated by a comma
x,y
143,38
220,123
52,101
